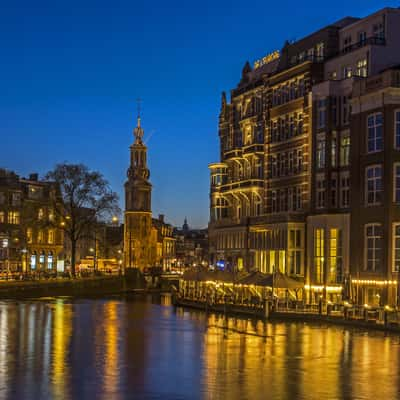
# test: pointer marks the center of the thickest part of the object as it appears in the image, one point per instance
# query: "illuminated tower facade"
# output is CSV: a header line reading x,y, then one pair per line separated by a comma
x,y
138,249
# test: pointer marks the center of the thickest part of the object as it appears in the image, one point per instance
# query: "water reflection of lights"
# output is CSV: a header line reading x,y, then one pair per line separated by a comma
x,y
61,339
111,356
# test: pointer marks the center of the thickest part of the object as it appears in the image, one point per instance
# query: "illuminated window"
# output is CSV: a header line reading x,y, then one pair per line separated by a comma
x,y
335,256
345,151
396,247
29,235
33,261
40,214
362,69
14,217
375,133
347,72
295,252
373,247
320,50
40,236
397,129
396,183
51,237
51,215
319,253
2,217
50,260
42,259
373,185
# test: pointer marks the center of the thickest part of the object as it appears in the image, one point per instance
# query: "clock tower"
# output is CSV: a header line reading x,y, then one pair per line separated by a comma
x,y
138,220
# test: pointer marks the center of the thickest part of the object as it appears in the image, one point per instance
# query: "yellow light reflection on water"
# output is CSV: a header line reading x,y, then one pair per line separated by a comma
x,y
61,339
111,323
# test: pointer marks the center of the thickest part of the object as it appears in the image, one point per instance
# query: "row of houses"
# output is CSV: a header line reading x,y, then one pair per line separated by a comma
x,y
308,181
32,237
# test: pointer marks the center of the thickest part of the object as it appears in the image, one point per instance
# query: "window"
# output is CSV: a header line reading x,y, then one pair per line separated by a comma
x,y
41,259
373,185
375,133
259,168
296,198
396,183
321,152
362,69
2,217
334,197
335,256
51,237
334,109
379,30
345,151
300,124
40,236
50,260
347,72
33,261
362,37
319,255
321,113
274,205
396,247
320,50
35,192
29,235
346,43
344,190
373,247
346,110
40,214
320,195
295,251
2,198
14,217
16,199
333,151
397,129
299,165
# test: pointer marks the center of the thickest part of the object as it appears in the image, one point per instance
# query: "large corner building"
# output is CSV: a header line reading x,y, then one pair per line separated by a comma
x,y
308,181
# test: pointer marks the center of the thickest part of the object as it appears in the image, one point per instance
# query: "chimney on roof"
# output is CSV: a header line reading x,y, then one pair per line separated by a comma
x,y
34,177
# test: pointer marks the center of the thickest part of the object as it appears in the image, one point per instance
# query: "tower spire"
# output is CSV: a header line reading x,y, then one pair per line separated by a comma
x,y
138,131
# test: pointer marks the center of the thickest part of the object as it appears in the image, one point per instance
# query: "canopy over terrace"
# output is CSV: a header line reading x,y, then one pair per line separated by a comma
x,y
256,278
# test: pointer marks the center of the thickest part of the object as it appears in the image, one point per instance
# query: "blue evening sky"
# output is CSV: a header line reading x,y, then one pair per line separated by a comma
x,y
70,73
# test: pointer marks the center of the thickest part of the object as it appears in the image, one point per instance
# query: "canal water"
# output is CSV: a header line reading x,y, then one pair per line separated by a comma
x,y
141,348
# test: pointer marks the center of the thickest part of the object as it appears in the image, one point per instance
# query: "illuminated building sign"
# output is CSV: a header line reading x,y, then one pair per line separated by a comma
x,y
267,59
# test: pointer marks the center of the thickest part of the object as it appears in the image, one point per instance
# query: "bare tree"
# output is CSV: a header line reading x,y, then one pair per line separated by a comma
x,y
87,199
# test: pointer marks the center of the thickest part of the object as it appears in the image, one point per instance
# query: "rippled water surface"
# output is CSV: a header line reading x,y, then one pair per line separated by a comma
x,y
140,349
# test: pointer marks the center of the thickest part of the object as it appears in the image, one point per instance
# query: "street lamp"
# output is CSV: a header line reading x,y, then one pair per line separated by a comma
x,y
93,250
